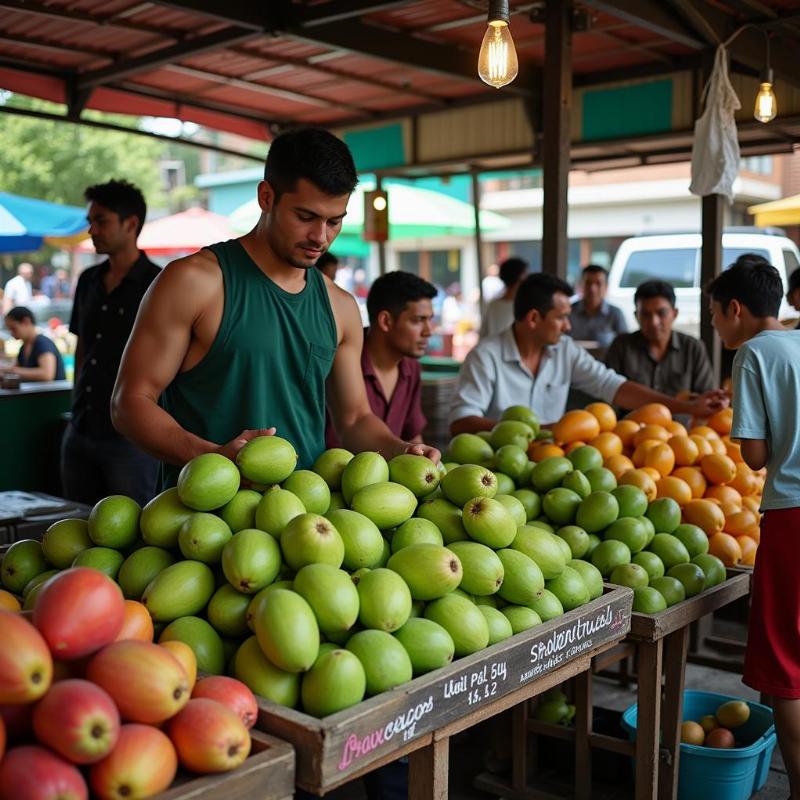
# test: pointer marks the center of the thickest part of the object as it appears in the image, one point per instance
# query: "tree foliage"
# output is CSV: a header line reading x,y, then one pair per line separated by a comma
x,y
56,161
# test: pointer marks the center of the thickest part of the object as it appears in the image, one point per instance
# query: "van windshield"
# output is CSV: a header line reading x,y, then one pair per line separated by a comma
x,y
675,266
678,267
730,254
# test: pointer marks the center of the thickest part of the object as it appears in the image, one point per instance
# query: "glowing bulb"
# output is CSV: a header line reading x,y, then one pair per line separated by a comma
x,y
379,203
497,62
766,105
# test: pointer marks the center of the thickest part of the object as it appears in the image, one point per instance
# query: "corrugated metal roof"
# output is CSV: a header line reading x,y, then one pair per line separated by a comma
x,y
254,66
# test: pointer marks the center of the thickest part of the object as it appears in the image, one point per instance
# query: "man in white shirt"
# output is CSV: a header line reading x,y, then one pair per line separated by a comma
x,y
19,290
499,314
532,364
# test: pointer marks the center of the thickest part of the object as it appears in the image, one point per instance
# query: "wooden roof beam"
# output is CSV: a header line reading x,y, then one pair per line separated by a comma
x,y
749,48
264,89
354,36
651,16
447,60
324,13
126,67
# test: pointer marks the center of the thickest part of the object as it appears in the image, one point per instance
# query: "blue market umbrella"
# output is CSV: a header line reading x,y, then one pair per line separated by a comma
x,y
25,222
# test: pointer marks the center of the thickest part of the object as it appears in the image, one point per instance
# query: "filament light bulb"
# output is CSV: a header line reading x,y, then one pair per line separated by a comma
x,y
766,105
497,62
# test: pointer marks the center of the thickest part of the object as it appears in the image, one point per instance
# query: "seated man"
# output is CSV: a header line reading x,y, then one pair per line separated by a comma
x,y
38,358
400,324
657,356
532,364
499,314
592,318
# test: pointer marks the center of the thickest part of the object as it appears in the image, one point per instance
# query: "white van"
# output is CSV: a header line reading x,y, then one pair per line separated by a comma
x,y
675,258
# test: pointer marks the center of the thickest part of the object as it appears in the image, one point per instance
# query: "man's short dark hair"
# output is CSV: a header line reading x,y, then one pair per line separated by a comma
x,y
594,269
20,314
121,197
512,269
650,289
326,259
751,258
794,281
393,291
314,154
537,291
756,285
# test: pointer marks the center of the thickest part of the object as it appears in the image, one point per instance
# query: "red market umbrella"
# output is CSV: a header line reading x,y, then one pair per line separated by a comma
x,y
180,233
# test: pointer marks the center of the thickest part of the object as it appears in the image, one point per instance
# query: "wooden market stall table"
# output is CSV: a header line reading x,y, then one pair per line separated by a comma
x,y
661,643
266,774
418,718
27,515
31,422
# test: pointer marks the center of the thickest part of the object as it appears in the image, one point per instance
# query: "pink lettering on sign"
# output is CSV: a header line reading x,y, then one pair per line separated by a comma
x,y
355,748
405,725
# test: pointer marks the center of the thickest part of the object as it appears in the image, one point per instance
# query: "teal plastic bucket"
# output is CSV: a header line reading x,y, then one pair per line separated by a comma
x,y
707,772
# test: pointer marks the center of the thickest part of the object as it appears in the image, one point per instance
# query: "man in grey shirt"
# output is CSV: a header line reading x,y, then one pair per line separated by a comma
x,y
532,364
656,355
592,318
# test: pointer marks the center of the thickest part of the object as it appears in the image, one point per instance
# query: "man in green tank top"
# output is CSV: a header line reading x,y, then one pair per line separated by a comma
x,y
244,338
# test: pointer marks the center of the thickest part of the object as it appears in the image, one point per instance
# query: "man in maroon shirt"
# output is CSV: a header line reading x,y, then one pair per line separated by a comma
x,y
400,324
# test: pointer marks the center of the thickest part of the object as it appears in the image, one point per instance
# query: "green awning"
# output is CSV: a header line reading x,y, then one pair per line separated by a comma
x,y
413,214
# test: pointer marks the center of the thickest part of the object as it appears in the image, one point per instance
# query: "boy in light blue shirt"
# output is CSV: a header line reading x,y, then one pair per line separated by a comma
x,y
766,396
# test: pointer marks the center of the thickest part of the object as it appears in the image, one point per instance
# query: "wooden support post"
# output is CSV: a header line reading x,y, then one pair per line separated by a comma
x,y
583,733
557,106
476,208
710,267
428,768
381,244
648,716
676,646
519,746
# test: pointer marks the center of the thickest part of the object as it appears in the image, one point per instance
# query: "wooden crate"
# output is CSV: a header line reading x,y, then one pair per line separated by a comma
x,y
661,643
652,627
335,749
267,774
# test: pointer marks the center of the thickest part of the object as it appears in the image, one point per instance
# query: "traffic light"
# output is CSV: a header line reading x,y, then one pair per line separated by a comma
x,y
376,216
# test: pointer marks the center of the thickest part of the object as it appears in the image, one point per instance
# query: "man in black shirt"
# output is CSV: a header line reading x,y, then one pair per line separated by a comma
x,y
96,461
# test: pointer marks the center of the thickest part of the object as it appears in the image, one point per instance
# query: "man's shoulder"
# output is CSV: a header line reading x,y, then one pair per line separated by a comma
x,y
772,344
88,275
489,344
411,367
42,343
615,311
626,341
488,350
196,277
688,342
150,268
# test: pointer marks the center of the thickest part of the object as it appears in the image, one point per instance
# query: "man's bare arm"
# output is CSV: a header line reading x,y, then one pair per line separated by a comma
x,y
153,357
471,425
633,395
45,370
755,452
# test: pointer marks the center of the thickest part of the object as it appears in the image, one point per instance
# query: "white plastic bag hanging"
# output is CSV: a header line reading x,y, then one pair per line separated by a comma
x,y
715,152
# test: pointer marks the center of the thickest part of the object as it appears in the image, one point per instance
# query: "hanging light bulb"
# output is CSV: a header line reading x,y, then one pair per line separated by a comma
x,y
497,62
766,106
